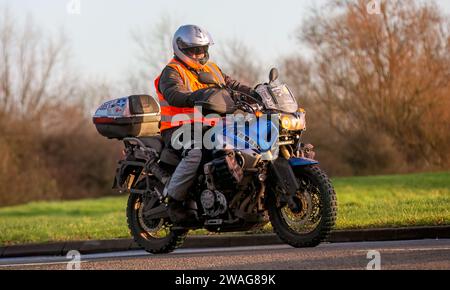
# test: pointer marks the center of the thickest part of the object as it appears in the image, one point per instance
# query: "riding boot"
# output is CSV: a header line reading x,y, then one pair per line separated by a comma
x,y
180,214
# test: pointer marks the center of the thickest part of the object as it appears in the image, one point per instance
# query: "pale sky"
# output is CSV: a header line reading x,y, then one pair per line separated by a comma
x,y
100,34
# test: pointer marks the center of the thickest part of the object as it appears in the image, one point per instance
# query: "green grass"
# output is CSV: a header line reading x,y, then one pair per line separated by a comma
x,y
61,221
393,201
379,201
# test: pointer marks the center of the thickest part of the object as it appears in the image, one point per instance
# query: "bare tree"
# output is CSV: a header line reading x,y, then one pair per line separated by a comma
x,y
6,35
34,72
50,146
153,51
384,77
238,61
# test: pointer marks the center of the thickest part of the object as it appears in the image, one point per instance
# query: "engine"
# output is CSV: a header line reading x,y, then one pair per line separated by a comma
x,y
223,174
226,170
214,203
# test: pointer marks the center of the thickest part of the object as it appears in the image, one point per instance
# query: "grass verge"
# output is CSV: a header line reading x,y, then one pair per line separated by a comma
x,y
364,202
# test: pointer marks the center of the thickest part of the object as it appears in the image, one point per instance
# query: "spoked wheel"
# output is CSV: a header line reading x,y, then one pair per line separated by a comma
x,y
314,216
154,235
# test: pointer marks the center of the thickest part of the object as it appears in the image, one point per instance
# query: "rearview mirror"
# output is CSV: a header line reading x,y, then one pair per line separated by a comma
x,y
273,75
207,78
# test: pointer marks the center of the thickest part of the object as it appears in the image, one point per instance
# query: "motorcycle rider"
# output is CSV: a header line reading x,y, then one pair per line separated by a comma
x,y
178,87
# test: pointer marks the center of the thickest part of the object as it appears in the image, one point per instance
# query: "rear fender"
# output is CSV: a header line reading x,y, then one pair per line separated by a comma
x,y
126,169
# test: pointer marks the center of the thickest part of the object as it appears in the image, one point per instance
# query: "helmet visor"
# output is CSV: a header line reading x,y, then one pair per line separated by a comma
x,y
194,51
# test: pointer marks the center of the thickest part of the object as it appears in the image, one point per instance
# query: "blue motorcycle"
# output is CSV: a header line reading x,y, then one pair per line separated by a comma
x,y
257,170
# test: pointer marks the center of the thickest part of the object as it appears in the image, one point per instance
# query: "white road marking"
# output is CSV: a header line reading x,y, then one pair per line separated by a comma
x,y
46,260
409,250
60,260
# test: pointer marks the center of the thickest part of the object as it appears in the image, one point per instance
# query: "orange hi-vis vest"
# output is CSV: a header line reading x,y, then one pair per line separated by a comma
x,y
192,84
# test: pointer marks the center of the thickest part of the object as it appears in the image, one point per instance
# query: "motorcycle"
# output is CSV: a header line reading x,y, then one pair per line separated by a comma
x,y
237,189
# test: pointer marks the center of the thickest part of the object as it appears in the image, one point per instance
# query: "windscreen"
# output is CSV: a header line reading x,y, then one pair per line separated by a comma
x,y
278,97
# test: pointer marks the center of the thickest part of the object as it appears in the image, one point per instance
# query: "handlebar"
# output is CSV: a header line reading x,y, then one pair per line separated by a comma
x,y
245,105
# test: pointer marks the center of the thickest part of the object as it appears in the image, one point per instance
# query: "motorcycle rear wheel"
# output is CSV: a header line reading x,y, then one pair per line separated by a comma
x,y
154,236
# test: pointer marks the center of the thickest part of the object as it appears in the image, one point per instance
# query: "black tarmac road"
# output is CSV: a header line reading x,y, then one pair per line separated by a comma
x,y
422,254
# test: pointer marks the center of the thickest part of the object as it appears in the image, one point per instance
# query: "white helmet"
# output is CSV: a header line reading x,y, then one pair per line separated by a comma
x,y
188,37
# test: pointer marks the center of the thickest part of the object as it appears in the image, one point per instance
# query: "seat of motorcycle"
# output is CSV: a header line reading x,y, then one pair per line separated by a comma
x,y
155,142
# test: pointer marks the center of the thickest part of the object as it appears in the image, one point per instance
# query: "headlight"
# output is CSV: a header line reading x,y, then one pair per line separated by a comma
x,y
295,122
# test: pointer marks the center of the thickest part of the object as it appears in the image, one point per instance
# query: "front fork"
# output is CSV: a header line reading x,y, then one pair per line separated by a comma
x,y
283,167
287,181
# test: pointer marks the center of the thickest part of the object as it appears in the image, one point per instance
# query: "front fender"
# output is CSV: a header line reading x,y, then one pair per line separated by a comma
x,y
296,162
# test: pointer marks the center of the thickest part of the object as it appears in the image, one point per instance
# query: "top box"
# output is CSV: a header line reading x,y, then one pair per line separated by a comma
x,y
133,116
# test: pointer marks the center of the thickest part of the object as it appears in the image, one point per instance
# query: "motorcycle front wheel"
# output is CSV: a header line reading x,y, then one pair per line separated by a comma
x,y
315,216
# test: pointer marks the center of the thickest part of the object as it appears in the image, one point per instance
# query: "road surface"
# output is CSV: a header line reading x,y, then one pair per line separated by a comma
x,y
423,254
